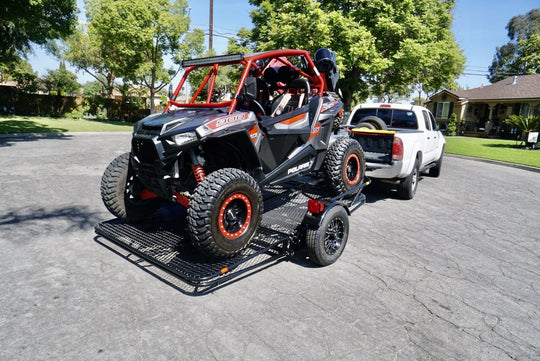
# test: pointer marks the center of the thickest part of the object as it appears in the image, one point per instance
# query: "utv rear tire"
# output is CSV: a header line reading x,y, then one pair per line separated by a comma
x,y
224,212
344,165
326,243
120,191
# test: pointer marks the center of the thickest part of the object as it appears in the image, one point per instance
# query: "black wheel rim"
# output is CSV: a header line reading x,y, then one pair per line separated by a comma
x,y
352,167
235,216
333,239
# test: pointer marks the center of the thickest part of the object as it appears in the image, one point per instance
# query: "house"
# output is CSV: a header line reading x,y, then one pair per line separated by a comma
x,y
482,111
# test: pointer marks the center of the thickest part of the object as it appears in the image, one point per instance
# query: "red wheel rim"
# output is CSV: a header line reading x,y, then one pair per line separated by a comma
x,y
234,216
352,169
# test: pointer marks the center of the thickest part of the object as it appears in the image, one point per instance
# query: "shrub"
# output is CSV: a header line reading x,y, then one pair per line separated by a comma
x,y
452,125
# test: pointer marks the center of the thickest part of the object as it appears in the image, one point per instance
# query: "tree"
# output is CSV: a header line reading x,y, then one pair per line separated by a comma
x,y
23,22
521,54
84,52
138,35
61,82
383,46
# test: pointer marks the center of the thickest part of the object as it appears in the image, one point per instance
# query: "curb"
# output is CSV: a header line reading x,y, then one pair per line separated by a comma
x,y
54,134
498,162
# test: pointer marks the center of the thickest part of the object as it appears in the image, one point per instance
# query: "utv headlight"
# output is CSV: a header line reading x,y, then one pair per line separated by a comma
x,y
183,138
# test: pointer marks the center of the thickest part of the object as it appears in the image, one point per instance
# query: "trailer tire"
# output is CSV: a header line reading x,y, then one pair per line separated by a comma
x,y
344,165
326,243
407,187
120,191
224,212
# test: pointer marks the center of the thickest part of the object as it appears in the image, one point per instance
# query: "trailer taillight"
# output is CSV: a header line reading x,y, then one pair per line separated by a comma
x,y
397,149
315,207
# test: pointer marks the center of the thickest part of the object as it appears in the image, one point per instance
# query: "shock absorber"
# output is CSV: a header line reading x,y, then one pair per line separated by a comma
x,y
198,170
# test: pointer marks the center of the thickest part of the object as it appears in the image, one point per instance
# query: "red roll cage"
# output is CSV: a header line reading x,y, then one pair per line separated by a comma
x,y
316,80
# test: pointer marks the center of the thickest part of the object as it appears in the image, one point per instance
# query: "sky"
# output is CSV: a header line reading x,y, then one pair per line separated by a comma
x,y
479,27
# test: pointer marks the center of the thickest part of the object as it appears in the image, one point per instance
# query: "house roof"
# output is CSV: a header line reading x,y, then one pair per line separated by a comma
x,y
511,88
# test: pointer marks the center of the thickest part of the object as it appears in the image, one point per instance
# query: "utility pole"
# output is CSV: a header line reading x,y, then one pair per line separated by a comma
x,y
211,25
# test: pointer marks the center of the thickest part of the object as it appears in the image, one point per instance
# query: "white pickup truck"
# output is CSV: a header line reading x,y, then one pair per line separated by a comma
x,y
399,142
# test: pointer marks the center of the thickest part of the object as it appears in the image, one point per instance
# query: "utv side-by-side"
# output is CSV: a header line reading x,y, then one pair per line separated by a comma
x,y
213,152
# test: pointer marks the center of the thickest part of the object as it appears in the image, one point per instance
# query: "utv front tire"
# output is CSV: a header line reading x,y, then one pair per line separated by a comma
x,y
224,212
120,191
344,165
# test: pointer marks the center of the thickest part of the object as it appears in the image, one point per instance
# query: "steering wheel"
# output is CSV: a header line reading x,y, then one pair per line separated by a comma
x,y
256,106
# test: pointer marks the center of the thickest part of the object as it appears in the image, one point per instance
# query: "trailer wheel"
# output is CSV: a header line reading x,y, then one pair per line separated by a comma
x,y
407,187
344,165
120,192
326,244
225,212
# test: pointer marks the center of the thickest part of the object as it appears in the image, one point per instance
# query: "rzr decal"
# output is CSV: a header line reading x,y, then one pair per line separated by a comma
x,y
225,121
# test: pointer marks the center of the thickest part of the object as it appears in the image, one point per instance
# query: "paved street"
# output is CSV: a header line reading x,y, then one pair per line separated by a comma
x,y
453,274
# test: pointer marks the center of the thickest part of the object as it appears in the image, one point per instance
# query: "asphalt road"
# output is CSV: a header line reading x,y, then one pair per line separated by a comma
x,y
453,274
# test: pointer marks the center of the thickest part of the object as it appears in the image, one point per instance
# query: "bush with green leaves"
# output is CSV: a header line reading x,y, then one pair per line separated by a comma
x,y
452,125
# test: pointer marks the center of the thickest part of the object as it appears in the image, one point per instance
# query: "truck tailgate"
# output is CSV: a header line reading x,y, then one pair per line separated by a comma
x,y
377,144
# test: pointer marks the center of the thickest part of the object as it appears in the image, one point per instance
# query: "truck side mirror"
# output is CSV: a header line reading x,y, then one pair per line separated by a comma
x,y
170,91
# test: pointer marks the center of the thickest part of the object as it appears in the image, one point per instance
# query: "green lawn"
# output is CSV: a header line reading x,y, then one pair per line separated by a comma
x,y
22,124
495,149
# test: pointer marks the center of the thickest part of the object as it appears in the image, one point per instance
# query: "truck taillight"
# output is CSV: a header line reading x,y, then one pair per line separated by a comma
x,y
397,149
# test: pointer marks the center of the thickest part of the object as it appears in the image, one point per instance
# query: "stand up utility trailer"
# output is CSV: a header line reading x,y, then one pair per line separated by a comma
x,y
298,214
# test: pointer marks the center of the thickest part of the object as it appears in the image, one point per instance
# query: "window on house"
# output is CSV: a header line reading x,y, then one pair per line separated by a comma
x,y
442,110
524,110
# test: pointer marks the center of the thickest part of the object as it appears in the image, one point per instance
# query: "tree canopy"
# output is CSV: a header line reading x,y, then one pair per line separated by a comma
x,y
383,47
134,37
521,55
23,22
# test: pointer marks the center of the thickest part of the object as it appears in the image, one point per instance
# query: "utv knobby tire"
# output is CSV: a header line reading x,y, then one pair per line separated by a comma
x,y
344,165
326,243
120,190
224,212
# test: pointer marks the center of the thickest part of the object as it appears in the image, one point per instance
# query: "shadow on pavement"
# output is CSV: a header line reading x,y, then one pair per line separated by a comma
x,y
77,217
7,140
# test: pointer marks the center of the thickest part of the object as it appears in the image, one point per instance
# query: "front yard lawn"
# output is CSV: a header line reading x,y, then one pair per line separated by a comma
x,y
23,124
495,149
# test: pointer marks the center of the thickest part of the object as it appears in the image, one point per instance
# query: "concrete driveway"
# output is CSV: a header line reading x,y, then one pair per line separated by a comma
x,y
453,274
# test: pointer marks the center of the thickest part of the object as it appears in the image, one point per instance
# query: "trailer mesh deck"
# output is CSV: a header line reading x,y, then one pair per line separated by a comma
x,y
163,241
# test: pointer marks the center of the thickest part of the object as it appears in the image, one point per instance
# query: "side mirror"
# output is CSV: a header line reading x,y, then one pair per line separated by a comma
x,y
250,87
443,127
170,91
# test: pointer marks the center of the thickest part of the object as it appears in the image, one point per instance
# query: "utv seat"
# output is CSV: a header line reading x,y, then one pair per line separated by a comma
x,y
297,95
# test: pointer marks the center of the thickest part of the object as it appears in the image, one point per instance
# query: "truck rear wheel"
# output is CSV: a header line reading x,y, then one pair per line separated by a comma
x,y
435,171
344,165
224,212
326,244
120,192
407,187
